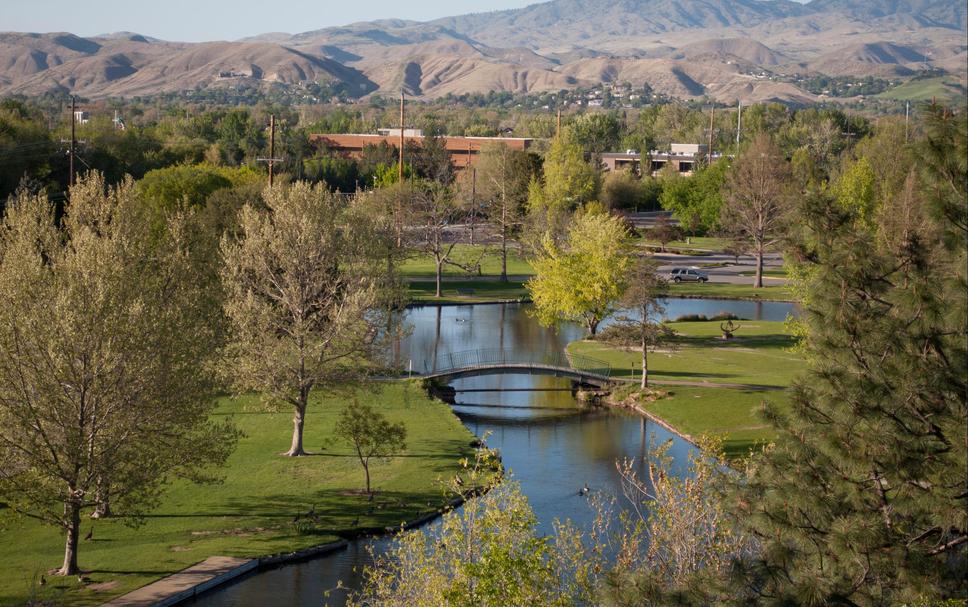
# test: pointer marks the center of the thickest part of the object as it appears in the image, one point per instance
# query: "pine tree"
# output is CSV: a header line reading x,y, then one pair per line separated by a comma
x,y
862,500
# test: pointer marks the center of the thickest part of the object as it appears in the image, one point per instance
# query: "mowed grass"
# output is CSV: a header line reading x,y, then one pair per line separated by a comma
x,y
250,513
708,243
722,290
489,257
468,291
759,354
725,413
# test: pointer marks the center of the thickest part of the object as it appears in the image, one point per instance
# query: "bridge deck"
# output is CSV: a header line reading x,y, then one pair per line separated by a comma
x,y
588,377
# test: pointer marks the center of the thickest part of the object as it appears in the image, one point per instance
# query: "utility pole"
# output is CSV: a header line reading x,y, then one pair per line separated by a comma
x,y
709,152
907,122
739,124
402,123
558,129
271,160
70,179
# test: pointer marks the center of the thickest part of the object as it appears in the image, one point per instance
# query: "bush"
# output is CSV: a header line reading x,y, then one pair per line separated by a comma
x,y
703,318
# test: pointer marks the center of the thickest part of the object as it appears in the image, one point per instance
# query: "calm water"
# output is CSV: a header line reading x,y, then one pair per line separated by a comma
x,y
550,446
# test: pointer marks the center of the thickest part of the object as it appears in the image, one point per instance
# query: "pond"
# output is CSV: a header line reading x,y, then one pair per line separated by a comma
x,y
549,444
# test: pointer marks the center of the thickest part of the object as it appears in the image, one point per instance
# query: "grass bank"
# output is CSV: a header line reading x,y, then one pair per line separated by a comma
x,y
760,354
251,512
489,257
468,291
721,290
730,414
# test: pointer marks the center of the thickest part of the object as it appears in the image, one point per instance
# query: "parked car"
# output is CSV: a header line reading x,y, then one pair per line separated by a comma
x,y
687,275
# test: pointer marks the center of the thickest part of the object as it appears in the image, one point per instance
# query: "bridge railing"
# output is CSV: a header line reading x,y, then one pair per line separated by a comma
x,y
453,361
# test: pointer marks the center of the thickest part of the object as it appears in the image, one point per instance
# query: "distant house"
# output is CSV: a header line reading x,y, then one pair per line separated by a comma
x,y
81,117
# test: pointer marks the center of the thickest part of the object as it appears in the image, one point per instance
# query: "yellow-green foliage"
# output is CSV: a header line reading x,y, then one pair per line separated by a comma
x,y
582,280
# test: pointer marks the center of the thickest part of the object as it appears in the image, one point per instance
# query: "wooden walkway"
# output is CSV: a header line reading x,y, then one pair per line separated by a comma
x,y
186,583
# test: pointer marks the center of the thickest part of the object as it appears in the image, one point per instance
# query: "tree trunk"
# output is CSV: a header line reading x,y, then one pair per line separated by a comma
x,y
298,419
440,266
366,470
758,281
504,242
72,511
645,364
592,326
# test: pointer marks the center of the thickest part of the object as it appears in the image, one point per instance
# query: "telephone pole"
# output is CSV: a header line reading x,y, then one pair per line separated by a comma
x,y
558,129
271,160
739,123
70,179
402,123
709,152
907,122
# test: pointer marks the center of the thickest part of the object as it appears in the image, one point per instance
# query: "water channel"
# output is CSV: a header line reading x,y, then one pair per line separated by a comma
x,y
550,445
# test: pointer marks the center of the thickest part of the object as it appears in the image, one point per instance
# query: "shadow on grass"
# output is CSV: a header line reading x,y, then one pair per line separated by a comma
x,y
777,340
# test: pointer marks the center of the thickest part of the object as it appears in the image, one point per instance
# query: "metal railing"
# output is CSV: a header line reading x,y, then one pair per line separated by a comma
x,y
494,357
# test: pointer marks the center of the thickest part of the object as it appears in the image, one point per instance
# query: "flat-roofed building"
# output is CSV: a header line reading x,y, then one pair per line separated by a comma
x,y
683,157
464,151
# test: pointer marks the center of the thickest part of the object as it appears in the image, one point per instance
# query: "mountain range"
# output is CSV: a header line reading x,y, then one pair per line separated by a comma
x,y
748,50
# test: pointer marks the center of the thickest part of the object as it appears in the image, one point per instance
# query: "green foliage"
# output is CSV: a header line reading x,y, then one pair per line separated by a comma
x,y
186,186
876,431
857,194
569,181
583,280
339,174
596,132
696,201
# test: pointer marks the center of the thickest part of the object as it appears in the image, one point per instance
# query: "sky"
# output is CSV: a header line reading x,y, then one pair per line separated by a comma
x,y
206,20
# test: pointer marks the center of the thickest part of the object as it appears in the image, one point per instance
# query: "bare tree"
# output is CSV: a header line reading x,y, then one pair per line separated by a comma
x,y
502,178
643,329
757,198
433,212
106,331
302,283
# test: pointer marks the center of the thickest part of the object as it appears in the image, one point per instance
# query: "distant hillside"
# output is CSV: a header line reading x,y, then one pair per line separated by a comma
x,y
726,49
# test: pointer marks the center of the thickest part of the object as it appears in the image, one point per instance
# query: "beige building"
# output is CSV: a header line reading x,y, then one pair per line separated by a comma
x,y
683,157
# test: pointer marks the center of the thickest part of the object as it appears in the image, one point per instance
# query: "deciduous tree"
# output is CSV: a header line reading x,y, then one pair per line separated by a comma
x,y
583,279
106,333
757,199
371,434
302,293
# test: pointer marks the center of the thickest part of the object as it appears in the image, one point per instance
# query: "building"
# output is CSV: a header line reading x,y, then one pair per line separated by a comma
x,y
683,157
464,151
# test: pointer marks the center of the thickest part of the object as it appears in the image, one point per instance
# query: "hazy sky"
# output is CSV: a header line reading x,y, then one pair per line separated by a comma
x,y
195,20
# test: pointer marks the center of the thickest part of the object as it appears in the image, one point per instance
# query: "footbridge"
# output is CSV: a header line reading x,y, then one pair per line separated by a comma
x,y
474,363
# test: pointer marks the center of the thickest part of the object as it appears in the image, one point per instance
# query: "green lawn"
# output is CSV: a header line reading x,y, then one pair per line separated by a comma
x,y
709,243
251,512
729,414
759,354
722,290
489,256
473,291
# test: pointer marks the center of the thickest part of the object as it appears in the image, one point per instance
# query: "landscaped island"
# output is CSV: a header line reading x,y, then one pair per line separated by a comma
x,y
712,386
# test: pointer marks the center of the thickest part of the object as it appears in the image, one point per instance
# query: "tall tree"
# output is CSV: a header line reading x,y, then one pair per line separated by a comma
x,y
862,501
106,333
583,279
757,199
568,182
302,292
433,210
502,177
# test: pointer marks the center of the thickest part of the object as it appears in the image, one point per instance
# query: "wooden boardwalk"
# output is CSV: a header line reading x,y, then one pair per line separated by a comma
x,y
186,583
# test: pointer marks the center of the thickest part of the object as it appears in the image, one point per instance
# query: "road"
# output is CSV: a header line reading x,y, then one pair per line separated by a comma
x,y
728,274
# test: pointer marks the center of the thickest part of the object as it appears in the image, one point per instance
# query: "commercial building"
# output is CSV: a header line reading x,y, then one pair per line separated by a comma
x,y
683,157
464,151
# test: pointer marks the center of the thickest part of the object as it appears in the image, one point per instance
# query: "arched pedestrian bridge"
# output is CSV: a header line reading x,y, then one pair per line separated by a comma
x,y
474,363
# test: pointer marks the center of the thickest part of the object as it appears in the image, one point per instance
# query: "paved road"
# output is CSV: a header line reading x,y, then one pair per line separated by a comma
x,y
729,274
